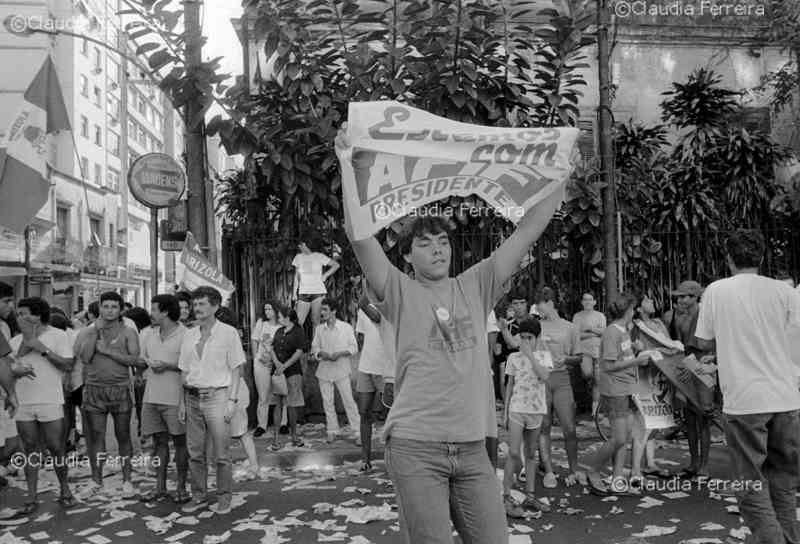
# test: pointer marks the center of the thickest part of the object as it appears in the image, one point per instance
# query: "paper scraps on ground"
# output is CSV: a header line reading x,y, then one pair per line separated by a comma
x,y
615,510
10,538
365,514
701,541
358,539
124,534
610,499
216,539
711,526
39,536
519,539
158,526
403,158
524,529
98,539
655,530
649,502
336,537
732,509
675,495
741,533
180,536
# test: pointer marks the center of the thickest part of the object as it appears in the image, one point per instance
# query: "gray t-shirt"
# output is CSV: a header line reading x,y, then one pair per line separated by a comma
x,y
439,336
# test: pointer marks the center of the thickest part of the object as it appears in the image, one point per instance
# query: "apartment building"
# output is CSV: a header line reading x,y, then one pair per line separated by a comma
x,y
92,235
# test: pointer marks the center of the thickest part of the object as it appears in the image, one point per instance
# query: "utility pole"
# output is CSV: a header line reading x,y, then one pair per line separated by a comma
x,y
194,141
605,130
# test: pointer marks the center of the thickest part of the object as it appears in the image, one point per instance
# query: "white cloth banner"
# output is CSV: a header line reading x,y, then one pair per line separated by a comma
x,y
403,158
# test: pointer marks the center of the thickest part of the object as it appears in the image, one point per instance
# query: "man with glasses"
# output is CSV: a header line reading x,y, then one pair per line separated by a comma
x,y
682,327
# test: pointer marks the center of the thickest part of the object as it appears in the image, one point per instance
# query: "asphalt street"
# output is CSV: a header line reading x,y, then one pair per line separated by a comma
x,y
316,494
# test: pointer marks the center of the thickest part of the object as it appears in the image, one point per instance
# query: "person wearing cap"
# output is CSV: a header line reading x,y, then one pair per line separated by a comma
x,y
745,319
682,327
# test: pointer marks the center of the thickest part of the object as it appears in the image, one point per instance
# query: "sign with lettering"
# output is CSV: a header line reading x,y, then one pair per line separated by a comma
x,y
403,158
200,271
157,180
657,412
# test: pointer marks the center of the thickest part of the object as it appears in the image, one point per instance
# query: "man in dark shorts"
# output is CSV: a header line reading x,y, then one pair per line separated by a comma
x,y
109,350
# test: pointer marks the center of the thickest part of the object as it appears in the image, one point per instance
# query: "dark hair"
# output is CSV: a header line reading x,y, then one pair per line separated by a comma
x,y
113,295
530,325
590,294
420,226
226,315
620,304
269,302
36,306
214,297
288,312
330,303
55,310
94,309
518,293
183,296
139,316
545,294
60,322
168,304
6,290
746,248
127,305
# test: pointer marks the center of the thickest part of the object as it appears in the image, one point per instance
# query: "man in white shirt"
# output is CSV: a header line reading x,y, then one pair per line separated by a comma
x,y
211,360
9,439
161,348
333,345
747,316
375,371
43,355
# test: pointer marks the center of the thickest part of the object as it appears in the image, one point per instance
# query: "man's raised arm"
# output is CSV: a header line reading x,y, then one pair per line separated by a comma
x,y
530,228
369,252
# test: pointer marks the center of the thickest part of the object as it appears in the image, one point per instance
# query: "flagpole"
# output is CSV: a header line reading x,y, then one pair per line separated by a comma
x,y
27,283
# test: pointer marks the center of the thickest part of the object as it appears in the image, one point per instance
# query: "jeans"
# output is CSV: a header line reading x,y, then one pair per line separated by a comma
x,y
205,415
262,375
346,391
437,482
764,448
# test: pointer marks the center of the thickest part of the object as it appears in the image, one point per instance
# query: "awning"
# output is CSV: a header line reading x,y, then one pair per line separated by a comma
x,y
13,271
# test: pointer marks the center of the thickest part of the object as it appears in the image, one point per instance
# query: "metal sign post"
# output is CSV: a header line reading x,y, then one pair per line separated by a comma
x,y
157,181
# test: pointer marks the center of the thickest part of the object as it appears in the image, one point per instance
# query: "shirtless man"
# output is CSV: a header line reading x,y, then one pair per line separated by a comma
x,y
682,325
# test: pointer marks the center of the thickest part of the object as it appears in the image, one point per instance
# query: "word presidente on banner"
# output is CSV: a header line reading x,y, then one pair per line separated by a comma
x,y
402,201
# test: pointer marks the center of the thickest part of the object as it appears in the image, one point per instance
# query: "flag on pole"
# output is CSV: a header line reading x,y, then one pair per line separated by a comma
x,y
24,187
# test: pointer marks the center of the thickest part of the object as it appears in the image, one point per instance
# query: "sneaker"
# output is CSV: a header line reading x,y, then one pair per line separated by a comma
x,y
259,432
513,510
129,491
550,481
197,503
366,467
223,506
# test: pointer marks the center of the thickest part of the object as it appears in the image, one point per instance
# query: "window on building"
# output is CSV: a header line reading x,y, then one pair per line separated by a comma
x,y
142,136
113,71
84,86
143,104
110,235
84,126
133,95
113,179
98,135
132,130
96,227
132,156
98,97
112,106
97,59
85,47
84,167
98,175
113,143
62,222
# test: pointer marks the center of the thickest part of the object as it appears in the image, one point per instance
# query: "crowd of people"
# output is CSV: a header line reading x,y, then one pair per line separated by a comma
x,y
442,354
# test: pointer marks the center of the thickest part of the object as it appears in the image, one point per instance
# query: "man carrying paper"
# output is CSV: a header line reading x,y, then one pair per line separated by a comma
x,y
436,429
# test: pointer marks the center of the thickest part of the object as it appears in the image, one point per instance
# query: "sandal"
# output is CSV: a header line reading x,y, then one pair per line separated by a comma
x,y
181,497
275,447
535,504
28,508
68,502
155,496
513,510
366,467
598,488
660,473
298,443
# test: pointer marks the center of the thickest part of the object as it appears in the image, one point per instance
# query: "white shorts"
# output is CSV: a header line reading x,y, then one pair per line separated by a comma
x,y
43,413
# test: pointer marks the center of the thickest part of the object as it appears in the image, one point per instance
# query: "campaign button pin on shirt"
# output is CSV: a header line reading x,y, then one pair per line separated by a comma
x,y
442,314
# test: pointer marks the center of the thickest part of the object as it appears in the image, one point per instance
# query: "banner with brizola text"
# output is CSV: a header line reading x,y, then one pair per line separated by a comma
x,y
199,271
403,158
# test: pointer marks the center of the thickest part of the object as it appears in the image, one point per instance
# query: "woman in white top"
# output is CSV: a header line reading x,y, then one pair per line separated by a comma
x,y
263,332
309,281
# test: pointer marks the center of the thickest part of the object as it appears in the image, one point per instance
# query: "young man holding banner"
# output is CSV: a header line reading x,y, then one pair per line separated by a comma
x,y
436,429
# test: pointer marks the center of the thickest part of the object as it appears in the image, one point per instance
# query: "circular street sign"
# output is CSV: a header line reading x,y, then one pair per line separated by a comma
x,y
157,180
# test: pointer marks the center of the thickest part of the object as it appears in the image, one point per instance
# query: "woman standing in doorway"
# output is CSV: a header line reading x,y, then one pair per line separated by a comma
x,y
309,280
